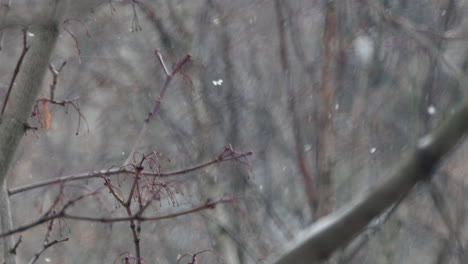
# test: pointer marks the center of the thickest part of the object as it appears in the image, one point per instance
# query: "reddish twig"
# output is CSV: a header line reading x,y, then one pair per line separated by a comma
x,y
117,171
157,100
47,244
193,257
73,102
68,20
135,22
55,73
126,259
75,39
63,215
207,205
308,183
44,248
48,217
135,191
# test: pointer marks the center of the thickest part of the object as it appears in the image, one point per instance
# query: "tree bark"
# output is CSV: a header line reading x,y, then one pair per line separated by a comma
x,y
13,123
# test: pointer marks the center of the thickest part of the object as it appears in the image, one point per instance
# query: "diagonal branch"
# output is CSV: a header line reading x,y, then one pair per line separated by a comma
x,y
16,71
157,100
337,229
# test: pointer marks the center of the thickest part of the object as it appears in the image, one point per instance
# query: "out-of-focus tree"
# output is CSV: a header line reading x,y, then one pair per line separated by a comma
x,y
352,110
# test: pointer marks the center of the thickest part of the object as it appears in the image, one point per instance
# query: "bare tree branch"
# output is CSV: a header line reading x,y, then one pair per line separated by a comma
x,y
335,230
116,171
14,118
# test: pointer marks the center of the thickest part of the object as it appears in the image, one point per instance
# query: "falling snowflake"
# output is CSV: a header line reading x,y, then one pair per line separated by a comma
x,y
217,82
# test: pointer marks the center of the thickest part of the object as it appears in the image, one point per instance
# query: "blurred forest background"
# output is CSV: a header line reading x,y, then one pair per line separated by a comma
x,y
328,95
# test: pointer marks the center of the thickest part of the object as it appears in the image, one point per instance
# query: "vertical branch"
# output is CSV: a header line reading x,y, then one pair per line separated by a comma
x,y
452,221
325,109
14,119
23,96
6,224
295,122
55,73
135,235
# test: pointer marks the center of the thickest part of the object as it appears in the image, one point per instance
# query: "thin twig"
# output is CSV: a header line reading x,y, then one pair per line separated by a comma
x,y
118,171
55,73
157,101
74,102
15,247
308,183
63,215
44,248
16,71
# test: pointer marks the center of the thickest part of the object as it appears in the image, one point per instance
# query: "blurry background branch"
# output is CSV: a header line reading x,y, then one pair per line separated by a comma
x,y
366,80
334,231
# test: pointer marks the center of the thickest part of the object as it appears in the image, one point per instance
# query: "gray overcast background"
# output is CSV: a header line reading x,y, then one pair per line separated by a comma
x,y
264,77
